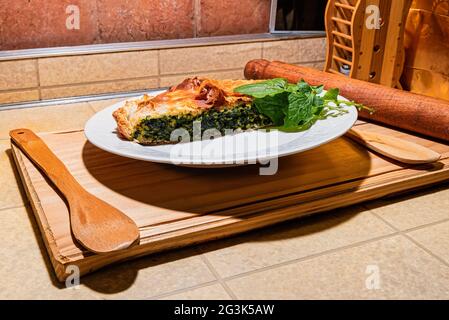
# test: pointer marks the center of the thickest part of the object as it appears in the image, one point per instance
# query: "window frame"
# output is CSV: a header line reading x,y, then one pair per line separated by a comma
x,y
272,24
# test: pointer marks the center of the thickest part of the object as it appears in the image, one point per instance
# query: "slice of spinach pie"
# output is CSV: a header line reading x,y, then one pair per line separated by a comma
x,y
151,120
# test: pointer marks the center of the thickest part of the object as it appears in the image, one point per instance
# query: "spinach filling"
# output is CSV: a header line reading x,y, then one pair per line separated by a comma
x,y
243,117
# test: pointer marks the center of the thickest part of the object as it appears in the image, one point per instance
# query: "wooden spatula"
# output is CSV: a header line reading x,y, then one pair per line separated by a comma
x,y
394,148
97,226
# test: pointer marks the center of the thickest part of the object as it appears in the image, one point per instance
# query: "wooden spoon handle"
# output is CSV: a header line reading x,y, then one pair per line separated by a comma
x,y
394,148
96,225
46,160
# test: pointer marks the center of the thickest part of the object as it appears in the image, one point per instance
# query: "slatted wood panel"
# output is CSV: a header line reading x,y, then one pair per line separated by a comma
x,y
375,55
343,19
176,206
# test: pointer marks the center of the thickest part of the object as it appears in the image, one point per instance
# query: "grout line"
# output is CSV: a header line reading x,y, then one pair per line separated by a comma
x,y
425,225
24,205
217,276
74,100
419,245
228,290
311,256
18,90
201,71
182,290
404,234
311,61
91,107
38,79
57,86
307,63
405,230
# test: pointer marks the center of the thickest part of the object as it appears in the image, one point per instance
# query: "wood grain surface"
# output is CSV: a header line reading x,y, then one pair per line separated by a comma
x,y
391,147
176,206
426,33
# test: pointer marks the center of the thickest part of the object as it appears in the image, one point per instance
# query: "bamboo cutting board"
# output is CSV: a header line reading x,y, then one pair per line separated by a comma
x,y
178,206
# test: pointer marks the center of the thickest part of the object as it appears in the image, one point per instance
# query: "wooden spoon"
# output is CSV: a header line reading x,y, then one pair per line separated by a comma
x,y
394,148
98,226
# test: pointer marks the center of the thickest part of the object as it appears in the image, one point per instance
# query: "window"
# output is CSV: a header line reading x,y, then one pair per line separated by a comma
x,y
297,15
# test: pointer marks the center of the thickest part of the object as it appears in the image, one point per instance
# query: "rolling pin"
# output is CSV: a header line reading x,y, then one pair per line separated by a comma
x,y
397,108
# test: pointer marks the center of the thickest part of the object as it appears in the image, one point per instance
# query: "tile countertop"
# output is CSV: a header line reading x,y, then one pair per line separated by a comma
x,y
402,242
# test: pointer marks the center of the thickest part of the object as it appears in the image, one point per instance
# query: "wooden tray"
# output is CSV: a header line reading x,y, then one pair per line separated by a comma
x,y
177,206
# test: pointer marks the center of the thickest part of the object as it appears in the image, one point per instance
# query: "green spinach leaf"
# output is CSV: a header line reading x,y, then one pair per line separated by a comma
x,y
331,94
263,89
295,107
300,109
275,107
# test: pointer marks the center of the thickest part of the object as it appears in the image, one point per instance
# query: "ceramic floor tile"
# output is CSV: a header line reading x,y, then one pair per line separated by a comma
x,y
435,238
27,273
11,190
150,276
18,229
210,292
42,119
392,268
25,269
415,209
294,240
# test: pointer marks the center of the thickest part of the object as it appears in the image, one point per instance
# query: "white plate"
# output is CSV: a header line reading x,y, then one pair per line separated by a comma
x,y
237,149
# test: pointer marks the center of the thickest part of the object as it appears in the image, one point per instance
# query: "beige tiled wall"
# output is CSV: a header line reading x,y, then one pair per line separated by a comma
x,y
18,74
70,76
18,81
294,51
19,95
99,87
209,58
97,67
